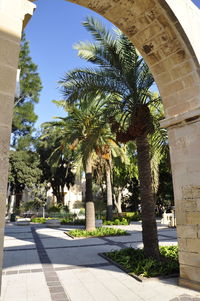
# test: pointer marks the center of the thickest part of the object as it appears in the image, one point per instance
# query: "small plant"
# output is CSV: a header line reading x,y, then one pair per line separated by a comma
x,y
117,221
133,216
135,261
39,220
102,231
69,221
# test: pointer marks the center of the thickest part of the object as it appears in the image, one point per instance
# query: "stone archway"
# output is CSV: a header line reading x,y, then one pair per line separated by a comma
x,y
166,32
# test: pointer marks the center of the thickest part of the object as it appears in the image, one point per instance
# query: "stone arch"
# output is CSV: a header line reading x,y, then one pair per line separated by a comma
x,y
166,32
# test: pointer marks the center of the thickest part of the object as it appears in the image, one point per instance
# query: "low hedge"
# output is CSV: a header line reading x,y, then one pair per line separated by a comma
x,y
102,231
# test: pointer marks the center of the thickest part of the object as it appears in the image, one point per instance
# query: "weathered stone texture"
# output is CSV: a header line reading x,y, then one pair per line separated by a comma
x,y
190,259
190,272
187,231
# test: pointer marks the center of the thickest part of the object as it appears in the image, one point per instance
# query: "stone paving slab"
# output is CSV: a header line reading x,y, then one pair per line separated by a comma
x,y
25,287
89,255
59,268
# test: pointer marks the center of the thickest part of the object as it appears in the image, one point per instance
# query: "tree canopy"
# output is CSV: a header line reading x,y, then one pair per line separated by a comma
x,y
24,116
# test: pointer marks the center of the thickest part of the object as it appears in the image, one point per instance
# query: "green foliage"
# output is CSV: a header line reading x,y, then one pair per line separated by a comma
x,y
24,170
102,231
24,116
124,218
56,161
137,263
70,221
117,221
165,194
38,220
133,216
54,209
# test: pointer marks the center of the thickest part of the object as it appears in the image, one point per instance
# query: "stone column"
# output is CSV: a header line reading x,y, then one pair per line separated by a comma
x,y
13,14
184,141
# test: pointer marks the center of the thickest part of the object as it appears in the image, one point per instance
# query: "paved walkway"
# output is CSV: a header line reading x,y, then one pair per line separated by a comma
x,y
43,264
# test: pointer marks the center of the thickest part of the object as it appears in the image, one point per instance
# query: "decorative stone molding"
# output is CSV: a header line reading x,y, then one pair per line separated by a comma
x,y
181,119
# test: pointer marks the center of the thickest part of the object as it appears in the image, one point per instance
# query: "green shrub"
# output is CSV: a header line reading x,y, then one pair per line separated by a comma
x,y
133,216
117,221
40,220
68,221
54,209
102,231
129,216
135,261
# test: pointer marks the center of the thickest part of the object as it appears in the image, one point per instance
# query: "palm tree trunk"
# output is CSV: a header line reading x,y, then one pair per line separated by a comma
x,y
118,200
109,211
89,206
149,226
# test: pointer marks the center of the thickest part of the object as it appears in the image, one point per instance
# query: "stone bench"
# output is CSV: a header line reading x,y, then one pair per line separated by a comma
x,y
23,221
53,223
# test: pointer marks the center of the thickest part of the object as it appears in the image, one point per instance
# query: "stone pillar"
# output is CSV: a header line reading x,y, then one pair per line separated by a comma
x,y
184,141
13,14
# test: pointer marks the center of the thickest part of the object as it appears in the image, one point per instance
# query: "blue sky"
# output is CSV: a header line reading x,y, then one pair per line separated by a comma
x,y
54,29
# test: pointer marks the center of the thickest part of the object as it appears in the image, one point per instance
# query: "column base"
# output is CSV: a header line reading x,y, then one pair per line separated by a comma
x,y
189,284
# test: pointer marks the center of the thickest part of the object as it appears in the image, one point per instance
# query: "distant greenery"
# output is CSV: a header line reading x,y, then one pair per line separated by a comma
x,y
132,216
64,221
39,220
98,232
135,261
24,116
125,219
70,221
117,221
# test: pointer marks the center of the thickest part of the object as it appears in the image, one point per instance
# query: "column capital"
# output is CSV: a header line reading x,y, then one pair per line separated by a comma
x,y
20,9
181,119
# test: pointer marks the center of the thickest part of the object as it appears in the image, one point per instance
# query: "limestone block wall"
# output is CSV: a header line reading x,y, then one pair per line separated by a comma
x,y
12,13
185,159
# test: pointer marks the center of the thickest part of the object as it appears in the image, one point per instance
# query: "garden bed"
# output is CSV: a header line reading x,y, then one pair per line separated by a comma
x,y
137,265
99,232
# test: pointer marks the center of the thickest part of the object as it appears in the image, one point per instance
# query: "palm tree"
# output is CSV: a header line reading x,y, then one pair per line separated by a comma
x,y
124,79
86,131
106,154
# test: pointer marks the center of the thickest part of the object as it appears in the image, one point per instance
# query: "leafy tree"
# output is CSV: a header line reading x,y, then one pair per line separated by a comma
x,y
123,174
24,116
165,194
56,162
123,77
24,171
104,169
86,130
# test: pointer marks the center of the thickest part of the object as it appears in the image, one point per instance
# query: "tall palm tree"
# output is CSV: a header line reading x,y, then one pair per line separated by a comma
x,y
106,154
122,76
86,131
